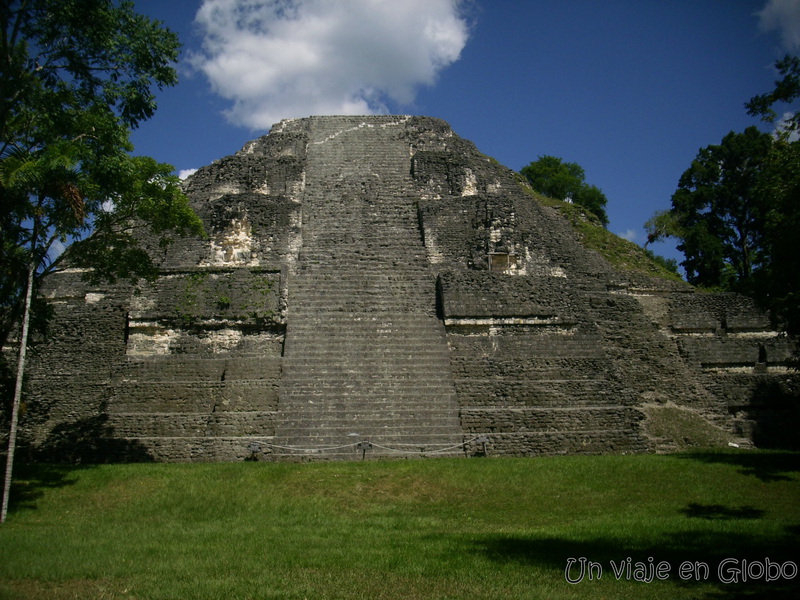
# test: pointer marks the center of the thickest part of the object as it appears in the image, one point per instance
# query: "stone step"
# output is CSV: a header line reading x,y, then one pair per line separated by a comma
x,y
343,430
546,355
352,281
364,342
418,377
547,351
381,229
413,293
305,324
370,391
423,305
553,400
376,406
423,375
186,448
349,375
367,428
330,376
375,403
166,387
349,433
379,330
332,450
342,436
173,424
596,441
307,379
419,321
510,420
360,289
312,285
366,301
344,256
365,366
310,312
351,453
378,326
400,224
350,252
187,399
380,350
195,368
376,348
407,254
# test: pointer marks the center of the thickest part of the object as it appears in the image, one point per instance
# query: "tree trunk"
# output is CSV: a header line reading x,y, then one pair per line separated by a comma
x,y
12,434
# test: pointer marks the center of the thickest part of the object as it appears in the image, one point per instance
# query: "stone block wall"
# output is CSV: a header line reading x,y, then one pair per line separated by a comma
x,y
378,277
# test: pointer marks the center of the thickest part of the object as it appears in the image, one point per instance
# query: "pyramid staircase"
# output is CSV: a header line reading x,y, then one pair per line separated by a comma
x,y
365,358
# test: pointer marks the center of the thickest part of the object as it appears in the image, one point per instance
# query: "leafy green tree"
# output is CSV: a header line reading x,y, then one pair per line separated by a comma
x,y
736,212
779,286
76,77
551,176
787,90
718,212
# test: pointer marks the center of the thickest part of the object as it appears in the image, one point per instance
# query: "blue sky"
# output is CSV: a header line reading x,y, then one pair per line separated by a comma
x,y
628,89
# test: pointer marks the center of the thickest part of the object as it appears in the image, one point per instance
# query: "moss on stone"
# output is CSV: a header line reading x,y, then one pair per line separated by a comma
x,y
678,428
621,253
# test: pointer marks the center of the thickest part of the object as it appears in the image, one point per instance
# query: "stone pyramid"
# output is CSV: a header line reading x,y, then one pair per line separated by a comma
x,y
376,287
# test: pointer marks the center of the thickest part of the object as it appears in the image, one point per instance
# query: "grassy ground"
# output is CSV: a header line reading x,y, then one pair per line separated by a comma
x,y
426,529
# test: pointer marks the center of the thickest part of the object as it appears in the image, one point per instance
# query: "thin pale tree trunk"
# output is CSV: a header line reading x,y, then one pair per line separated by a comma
x,y
12,434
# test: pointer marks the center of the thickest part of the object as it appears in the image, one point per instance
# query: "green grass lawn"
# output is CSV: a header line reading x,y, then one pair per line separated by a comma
x,y
423,529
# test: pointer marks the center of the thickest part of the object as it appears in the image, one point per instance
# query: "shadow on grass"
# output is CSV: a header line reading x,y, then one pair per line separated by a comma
x,y
767,466
69,448
721,552
718,512
695,544
31,481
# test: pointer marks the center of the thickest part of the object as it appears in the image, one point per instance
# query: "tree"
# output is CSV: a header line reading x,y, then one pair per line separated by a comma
x,y
778,285
551,176
786,90
736,212
779,288
76,77
718,212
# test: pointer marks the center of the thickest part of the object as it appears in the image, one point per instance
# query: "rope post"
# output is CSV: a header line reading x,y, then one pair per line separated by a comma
x,y
364,446
483,440
255,450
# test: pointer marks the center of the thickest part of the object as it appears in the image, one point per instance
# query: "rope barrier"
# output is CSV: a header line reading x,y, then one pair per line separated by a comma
x,y
373,444
461,445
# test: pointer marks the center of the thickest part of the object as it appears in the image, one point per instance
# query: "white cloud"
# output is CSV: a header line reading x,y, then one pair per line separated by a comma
x,y
278,59
184,173
629,235
56,249
787,124
783,15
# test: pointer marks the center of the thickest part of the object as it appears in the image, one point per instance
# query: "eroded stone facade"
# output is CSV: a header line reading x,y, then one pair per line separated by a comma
x,y
377,278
